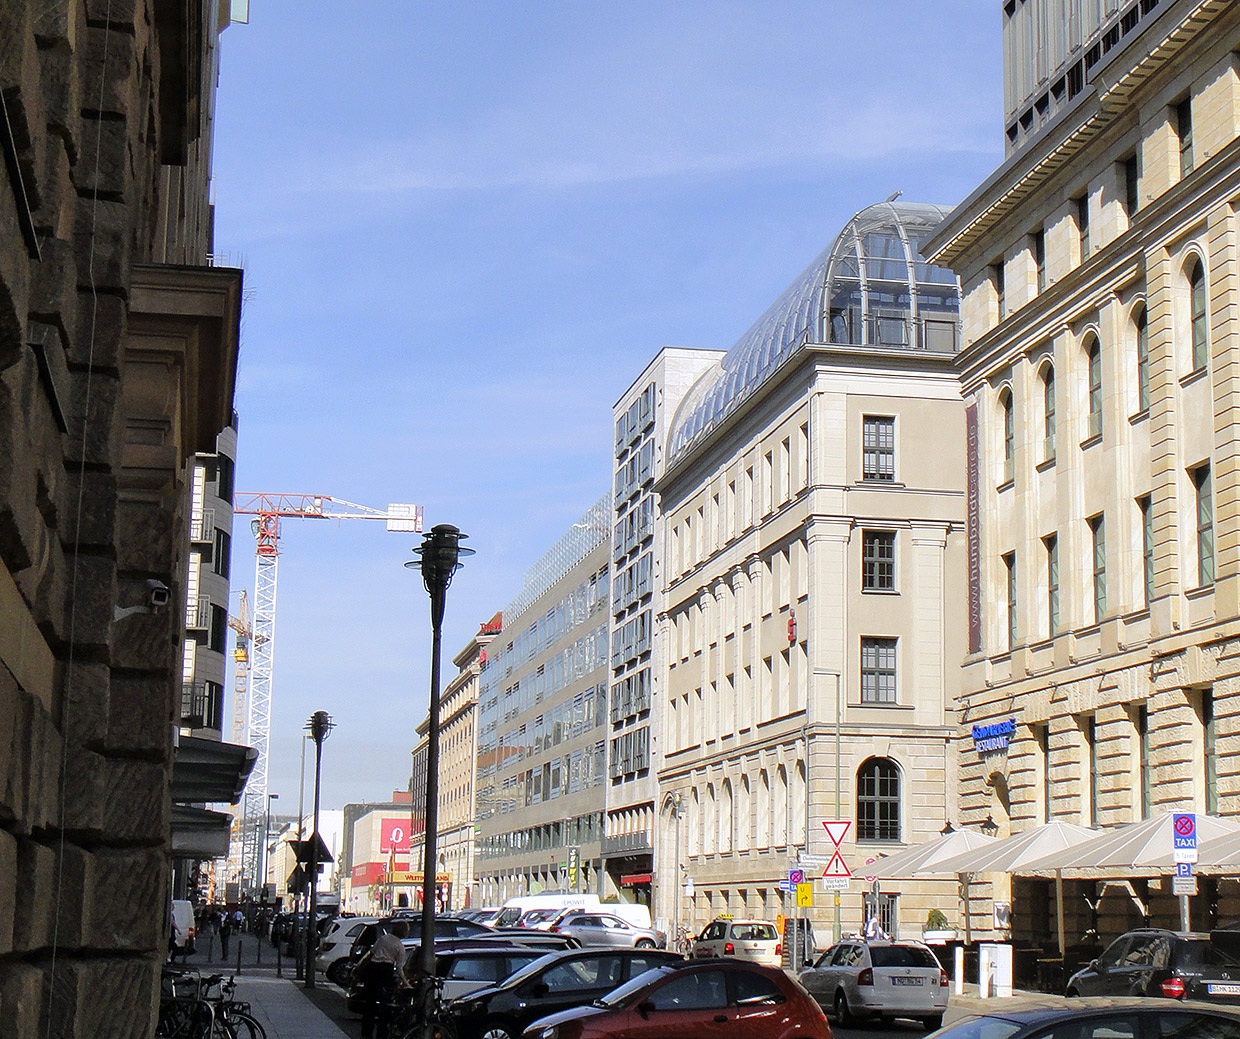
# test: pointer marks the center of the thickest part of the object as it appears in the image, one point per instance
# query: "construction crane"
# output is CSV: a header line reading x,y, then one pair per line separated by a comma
x,y
241,666
268,510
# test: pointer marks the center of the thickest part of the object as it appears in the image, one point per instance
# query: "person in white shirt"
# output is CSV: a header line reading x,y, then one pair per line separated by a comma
x,y
382,971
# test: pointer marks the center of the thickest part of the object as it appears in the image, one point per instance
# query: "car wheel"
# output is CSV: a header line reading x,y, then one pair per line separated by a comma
x,y
932,1023
335,972
1072,993
843,1016
645,943
496,1030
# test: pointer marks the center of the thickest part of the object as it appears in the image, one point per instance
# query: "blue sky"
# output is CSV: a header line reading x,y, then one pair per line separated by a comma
x,y
466,225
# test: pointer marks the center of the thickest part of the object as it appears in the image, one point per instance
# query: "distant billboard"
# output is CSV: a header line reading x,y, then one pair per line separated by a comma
x,y
394,835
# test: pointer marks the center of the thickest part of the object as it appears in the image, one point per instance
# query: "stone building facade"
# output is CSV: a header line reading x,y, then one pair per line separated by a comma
x,y
1101,279
117,358
813,503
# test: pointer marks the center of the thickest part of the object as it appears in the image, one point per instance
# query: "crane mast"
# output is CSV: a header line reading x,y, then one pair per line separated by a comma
x,y
255,706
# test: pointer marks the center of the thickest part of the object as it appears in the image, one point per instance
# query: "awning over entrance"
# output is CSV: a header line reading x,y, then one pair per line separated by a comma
x,y
198,833
209,772
633,879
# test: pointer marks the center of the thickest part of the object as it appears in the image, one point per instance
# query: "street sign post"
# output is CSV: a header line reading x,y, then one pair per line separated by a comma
x,y
805,895
1184,837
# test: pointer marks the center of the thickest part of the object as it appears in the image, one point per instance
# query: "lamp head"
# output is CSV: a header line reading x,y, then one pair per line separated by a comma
x,y
319,725
440,556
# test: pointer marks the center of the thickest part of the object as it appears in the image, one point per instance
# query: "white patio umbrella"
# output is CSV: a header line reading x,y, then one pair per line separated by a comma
x,y
1220,853
923,859
1009,854
1144,845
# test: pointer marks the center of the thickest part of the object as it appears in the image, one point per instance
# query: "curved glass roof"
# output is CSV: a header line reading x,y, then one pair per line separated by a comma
x,y
870,288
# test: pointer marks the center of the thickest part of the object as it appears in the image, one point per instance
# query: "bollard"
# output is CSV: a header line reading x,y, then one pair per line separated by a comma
x,y
239,943
258,959
959,986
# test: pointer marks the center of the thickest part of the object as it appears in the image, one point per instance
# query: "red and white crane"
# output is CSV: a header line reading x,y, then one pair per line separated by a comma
x,y
255,708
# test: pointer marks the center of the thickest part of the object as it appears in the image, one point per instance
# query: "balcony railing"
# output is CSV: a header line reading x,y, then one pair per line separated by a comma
x,y
202,705
626,842
198,613
202,528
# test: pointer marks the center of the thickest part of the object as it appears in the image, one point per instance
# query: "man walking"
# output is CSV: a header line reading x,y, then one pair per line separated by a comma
x,y
382,973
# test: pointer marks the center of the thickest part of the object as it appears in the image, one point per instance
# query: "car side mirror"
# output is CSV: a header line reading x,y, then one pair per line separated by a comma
x,y
1094,965
645,1008
540,990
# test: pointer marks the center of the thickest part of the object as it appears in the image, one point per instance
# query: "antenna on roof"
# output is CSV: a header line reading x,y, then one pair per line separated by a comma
x,y
892,198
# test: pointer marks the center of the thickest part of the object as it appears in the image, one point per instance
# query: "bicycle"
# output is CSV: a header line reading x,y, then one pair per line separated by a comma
x,y
183,1013
235,1013
683,942
420,1004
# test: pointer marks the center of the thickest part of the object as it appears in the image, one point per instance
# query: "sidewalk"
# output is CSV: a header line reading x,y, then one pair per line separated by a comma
x,y
969,1002
280,1004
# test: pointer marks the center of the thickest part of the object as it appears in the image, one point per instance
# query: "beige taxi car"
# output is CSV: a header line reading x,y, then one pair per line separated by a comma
x,y
755,940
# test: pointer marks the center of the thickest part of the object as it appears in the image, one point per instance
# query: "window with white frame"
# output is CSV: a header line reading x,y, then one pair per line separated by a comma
x,y
878,670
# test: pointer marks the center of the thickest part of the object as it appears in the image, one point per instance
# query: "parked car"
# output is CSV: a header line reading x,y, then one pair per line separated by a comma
x,y
886,979
1154,962
555,982
606,929
1100,1018
444,928
465,967
539,919
719,998
334,948
755,940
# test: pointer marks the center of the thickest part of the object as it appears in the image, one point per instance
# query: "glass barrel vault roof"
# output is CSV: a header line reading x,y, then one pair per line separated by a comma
x,y
870,288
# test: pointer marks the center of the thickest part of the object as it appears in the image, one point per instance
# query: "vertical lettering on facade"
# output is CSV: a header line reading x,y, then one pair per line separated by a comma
x,y
975,547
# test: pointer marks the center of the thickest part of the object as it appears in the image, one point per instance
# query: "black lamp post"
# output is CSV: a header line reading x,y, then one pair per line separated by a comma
x,y
440,554
319,725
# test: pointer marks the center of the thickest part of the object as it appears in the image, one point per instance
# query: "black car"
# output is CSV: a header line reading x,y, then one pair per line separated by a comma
x,y
1154,962
445,927
555,982
1098,1018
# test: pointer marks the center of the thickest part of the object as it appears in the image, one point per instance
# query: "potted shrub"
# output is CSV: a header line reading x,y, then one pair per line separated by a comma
x,y
936,928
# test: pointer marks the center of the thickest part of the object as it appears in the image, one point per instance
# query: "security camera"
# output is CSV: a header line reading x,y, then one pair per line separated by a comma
x,y
157,594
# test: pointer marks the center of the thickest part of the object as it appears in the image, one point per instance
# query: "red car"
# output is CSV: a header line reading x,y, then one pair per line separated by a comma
x,y
703,999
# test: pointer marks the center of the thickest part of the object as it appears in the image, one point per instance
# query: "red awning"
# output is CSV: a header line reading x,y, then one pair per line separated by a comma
x,y
633,879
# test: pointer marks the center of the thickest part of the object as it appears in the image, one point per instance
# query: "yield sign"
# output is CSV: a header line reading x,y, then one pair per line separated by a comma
x,y
836,828
837,867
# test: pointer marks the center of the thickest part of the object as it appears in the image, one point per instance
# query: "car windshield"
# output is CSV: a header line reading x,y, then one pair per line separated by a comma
x,y
980,1028
1203,954
901,956
621,995
529,970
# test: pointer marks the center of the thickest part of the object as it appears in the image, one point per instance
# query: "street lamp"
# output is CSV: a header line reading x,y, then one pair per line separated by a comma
x,y
439,558
319,725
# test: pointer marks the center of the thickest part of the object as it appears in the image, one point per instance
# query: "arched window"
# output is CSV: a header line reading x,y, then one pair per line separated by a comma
x,y
744,816
1093,356
1048,413
1199,315
709,829
763,813
1009,435
878,800
1141,320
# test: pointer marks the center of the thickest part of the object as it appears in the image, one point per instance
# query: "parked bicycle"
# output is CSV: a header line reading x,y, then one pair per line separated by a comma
x,y
683,942
235,1014
420,1005
189,1009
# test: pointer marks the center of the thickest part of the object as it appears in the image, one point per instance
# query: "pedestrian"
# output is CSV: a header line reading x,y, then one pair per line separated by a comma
x,y
382,972
226,930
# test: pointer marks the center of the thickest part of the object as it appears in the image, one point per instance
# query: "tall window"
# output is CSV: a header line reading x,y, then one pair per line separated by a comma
x,y
1205,525
1042,740
1048,414
1132,183
1184,130
221,559
1009,570
1200,317
1143,360
1209,749
1093,355
878,670
1097,532
1039,258
1009,436
878,800
878,443
1089,761
878,560
1051,541
997,280
1146,505
1141,723
1082,224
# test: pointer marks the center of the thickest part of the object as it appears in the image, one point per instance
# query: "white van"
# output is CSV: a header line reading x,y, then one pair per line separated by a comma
x,y
184,928
553,901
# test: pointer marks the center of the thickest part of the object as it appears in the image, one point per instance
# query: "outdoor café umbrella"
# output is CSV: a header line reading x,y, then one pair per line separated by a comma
x,y
921,859
1009,854
1146,845
1220,853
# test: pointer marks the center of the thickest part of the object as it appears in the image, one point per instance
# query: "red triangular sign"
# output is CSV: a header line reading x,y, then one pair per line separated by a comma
x,y
837,867
836,828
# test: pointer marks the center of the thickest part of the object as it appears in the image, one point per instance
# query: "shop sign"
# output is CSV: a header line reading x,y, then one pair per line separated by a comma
x,y
989,738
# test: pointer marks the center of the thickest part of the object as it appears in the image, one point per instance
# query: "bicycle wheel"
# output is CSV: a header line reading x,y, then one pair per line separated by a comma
x,y
443,1029
244,1026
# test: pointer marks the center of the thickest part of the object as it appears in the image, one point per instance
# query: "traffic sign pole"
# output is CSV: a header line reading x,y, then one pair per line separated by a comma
x,y
1183,852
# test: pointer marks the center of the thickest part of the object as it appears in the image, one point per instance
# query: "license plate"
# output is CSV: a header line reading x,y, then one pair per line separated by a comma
x,y
1218,989
906,981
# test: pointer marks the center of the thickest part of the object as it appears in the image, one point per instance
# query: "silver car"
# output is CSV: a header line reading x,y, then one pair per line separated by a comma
x,y
606,929
887,979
